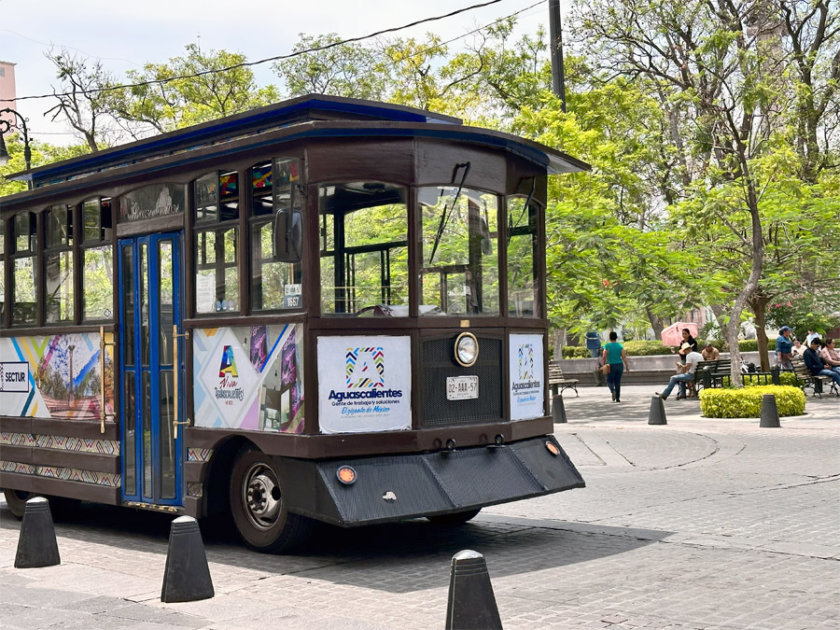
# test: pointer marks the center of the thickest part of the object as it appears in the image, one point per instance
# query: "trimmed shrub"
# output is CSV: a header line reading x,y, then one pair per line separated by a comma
x,y
746,402
642,348
785,378
575,352
748,345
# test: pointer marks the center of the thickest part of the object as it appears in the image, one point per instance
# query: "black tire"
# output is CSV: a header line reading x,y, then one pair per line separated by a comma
x,y
60,507
16,501
455,518
256,504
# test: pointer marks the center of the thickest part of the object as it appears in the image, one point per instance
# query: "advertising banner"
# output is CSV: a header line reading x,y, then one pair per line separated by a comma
x,y
526,376
56,376
249,378
365,384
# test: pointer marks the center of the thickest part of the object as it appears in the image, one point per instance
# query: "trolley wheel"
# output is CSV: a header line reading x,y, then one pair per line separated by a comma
x,y
16,500
257,506
455,518
60,507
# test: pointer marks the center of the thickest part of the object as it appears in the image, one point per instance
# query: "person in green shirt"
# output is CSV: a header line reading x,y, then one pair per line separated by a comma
x,y
615,356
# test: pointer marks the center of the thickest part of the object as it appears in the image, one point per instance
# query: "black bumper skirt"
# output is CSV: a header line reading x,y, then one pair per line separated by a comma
x,y
396,487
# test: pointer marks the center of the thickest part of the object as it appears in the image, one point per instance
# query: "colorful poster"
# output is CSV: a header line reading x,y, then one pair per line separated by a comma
x,y
526,376
55,377
249,378
365,384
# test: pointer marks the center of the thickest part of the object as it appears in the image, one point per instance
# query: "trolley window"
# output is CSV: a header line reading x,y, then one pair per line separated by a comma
x,y
97,260
521,255
25,275
58,264
216,243
275,186
3,275
459,249
364,249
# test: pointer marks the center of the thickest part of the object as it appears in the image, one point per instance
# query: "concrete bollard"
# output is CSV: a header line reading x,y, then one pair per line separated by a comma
x,y
769,412
37,546
657,411
471,604
558,409
186,577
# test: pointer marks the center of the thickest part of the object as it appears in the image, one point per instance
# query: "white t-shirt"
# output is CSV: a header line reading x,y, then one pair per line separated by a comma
x,y
691,361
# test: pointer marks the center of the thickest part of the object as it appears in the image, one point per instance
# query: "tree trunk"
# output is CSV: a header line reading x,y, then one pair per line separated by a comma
x,y
758,304
656,323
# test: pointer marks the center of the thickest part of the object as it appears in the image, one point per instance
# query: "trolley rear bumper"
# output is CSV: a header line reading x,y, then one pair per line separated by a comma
x,y
396,487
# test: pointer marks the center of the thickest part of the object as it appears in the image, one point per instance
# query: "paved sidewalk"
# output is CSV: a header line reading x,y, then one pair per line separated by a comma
x,y
700,524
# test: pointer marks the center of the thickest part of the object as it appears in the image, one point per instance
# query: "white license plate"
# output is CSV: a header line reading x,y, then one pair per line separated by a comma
x,y
461,387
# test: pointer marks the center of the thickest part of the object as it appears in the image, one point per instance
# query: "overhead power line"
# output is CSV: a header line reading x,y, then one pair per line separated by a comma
x,y
298,53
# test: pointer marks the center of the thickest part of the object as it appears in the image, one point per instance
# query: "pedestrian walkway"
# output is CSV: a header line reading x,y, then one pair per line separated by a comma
x,y
701,523
594,405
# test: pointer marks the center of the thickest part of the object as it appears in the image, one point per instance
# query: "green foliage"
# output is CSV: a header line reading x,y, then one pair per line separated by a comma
x,y
576,352
746,402
804,313
186,90
748,345
643,348
785,378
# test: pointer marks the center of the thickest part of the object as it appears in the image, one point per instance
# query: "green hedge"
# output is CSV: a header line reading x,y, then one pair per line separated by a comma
x,y
785,378
643,348
746,402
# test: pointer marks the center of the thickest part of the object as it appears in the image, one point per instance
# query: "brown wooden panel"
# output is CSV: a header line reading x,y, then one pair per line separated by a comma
x,y
194,506
435,162
65,459
88,429
61,488
380,159
194,471
346,445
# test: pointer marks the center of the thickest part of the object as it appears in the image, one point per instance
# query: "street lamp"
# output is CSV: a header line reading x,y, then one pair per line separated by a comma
x,y
5,126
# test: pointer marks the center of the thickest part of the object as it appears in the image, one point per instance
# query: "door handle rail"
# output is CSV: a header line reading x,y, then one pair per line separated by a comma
x,y
175,372
102,346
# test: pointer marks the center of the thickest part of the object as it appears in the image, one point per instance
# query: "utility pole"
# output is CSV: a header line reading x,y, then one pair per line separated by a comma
x,y
555,33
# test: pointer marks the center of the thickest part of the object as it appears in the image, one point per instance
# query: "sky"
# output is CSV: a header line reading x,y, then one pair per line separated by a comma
x,y
126,34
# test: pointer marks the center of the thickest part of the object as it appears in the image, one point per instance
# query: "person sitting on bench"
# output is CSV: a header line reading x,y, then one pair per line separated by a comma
x,y
685,373
816,364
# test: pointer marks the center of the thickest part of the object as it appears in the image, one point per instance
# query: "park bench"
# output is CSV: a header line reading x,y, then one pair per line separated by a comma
x,y
813,381
556,379
712,373
717,374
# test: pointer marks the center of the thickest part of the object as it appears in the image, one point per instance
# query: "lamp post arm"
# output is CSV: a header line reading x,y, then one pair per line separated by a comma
x,y
5,125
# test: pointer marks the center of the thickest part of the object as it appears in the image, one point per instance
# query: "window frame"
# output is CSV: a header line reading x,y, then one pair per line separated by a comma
x,y
255,221
219,226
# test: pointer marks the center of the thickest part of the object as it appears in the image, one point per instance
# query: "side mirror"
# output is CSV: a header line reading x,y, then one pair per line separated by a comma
x,y
288,236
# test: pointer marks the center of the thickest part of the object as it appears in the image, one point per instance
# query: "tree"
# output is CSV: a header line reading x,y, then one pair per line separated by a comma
x,y
716,68
81,96
42,153
350,70
197,87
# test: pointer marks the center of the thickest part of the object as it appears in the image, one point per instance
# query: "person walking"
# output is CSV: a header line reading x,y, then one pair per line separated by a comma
x,y
616,358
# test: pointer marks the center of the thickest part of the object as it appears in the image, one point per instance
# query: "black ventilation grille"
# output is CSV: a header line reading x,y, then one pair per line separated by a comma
x,y
437,364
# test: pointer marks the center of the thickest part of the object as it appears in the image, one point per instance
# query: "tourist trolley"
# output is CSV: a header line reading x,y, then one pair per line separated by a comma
x,y
325,309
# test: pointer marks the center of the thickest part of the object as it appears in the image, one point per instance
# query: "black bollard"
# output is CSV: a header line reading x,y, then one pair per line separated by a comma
x,y
558,409
186,577
657,411
37,546
472,604
769,413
